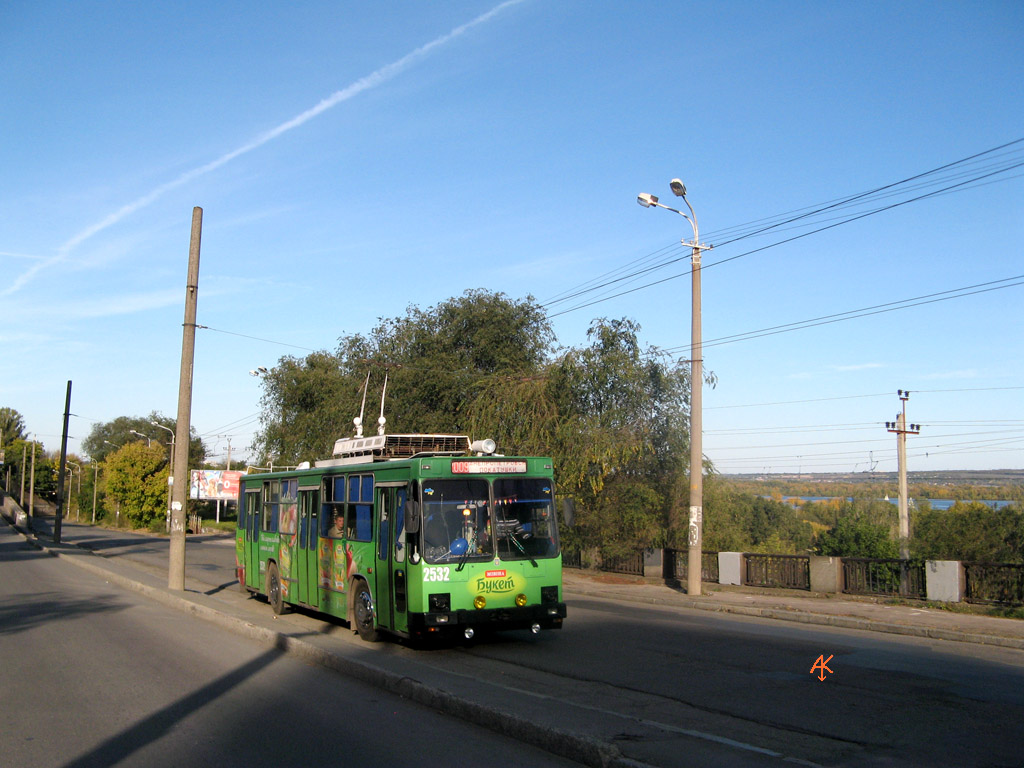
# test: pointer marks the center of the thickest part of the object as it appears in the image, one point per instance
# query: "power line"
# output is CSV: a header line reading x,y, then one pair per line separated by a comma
x,y
865,196
854,314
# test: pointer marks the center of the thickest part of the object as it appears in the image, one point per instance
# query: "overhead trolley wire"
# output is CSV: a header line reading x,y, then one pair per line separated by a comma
x,y
802,214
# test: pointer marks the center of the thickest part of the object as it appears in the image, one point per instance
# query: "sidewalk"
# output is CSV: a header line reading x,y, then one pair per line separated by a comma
x,y
806,608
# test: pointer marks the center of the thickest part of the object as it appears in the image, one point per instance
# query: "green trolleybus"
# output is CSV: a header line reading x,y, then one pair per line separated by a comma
x,y
414,535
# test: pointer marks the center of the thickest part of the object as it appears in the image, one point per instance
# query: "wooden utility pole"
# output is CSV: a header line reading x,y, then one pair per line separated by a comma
x,y
179,487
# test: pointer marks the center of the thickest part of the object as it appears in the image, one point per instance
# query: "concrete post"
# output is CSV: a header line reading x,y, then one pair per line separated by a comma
x,y
730,568
944,580
826,574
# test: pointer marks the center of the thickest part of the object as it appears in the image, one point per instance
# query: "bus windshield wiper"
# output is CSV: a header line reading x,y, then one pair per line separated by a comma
x,y
512,537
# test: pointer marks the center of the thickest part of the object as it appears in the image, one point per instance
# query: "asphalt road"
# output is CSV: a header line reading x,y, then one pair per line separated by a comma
x,y
680,687
93,675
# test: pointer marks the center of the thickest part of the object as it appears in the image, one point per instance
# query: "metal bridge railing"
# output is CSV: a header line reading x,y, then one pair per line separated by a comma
x,y
994,583
884,576
789,571
632,565
677,561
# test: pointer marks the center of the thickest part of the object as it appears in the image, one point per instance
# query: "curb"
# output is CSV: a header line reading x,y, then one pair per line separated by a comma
x,y
580,749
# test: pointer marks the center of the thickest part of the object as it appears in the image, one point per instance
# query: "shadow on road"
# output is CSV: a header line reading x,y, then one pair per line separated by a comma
x,y
18,613
158,724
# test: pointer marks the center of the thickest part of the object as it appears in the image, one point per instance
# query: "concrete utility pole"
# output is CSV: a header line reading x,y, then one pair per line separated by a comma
x,y
32,482
179,489
63,469
899,427
24,453
95,486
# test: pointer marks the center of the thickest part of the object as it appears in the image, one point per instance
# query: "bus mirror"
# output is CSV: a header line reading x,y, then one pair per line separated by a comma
x,y
412,516
568,511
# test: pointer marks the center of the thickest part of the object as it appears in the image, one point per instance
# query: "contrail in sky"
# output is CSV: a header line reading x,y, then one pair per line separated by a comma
x,y
372,80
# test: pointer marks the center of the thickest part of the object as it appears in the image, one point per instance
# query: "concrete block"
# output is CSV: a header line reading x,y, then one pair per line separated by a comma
x,y
826,574
944,580
652,561
730,567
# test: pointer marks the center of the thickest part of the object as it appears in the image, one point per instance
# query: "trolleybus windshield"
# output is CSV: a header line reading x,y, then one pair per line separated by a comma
x,y
524,518
456,521
464,520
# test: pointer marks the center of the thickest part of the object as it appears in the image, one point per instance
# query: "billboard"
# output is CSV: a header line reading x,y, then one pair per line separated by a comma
x,y
214,484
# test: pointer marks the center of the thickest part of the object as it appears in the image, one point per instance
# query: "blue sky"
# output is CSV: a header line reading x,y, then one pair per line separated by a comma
x,y
353,160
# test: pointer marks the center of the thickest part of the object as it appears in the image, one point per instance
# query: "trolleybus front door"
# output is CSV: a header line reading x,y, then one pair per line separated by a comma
x,y
390,595
306,560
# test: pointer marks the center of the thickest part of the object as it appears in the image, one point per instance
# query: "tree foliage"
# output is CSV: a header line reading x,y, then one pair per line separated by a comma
x,y
611,413
861,529
137,480
735,521
107,437
970,531
12,427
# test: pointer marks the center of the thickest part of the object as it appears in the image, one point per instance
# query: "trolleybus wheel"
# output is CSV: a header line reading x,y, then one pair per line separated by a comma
x,y
274,595
362,607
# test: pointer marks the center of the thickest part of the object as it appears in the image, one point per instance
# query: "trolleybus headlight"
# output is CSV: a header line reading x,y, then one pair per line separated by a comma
x,y
535,629
520,599
469,633
549,594
479,601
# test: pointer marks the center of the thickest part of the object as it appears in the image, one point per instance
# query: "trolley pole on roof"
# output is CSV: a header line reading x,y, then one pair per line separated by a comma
x,y
179,489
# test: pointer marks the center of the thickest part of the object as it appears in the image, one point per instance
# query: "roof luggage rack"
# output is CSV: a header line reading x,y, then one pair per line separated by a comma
x,y
359,450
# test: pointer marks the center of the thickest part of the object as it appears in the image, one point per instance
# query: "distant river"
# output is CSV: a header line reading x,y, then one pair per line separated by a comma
x,y
936,503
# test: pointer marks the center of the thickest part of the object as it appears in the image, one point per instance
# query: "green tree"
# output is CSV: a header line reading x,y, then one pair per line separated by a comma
x,y
12,428
612,414
970,531
136,477
435,361
107,437
857,534
737,521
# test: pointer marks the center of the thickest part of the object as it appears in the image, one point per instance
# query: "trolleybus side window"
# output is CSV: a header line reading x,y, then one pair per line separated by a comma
x,y
271,505
332,522
359,516
289,506
400,527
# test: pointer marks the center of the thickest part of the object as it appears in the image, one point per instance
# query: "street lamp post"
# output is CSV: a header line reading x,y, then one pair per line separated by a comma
x,y
117,508
170,472
74,467
149,440
695,529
